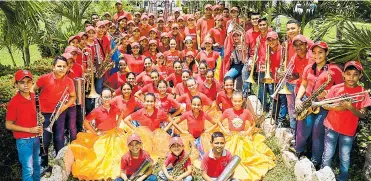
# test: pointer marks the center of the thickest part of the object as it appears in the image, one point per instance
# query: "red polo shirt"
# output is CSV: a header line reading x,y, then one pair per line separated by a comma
x,y
181,89
162,48
122,13
291,49
275,59
192,32
22,112
144,30
135,65
212,91
236,125
130,165
127,107
171,57
223,99
52,90
179,39
200,80
218,35
195,124
317,80
204,25
345,122
215,166
116,80
76,71
104,119
300,64
167,102
144,78
175,78
250,40
152,56
187,98
172,160
151,121
210,58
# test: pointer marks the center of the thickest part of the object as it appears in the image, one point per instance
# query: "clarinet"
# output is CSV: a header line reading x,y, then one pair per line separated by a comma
x,y
40,120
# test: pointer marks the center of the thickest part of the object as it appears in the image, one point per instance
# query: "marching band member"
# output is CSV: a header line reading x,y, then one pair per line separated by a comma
x,y
210,86
172,54
22,120
135,61
190,31
165,42
130,79
151,19
202,69
126,101
316,80
120,12
188,42
342,119
53,85
193,91
233,59
144,78
150,88
204,24
166,102
122,23
144,26
125,48
143,41
177,36
218,35
209,55
190,63
152,51
224,97
176,77
233,16
181,88
117,79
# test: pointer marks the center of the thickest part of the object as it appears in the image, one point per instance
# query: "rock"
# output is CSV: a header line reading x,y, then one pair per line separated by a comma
x,y
367,167
62,166
289,158
304,170
325,174
268,128
284,137
58,174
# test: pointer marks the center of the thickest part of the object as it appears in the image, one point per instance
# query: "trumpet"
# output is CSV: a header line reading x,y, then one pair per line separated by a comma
x,y
281,87
57,109
255,58
267,76
89,75
335,101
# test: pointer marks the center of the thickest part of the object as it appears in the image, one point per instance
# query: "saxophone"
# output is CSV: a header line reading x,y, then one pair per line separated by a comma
x,y
178,167
107,64
306,109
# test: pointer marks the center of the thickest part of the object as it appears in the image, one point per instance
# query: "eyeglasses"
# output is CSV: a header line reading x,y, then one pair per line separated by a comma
x,y
175,28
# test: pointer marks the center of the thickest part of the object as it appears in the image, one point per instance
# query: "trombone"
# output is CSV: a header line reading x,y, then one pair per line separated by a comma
x,y
267,76
281,87
56,112
255,58
335,101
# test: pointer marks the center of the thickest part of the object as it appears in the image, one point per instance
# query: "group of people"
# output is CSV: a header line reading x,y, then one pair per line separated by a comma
x,y
183,80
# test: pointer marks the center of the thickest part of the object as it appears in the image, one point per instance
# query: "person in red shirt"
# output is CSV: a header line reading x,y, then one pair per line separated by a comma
x,y
126,102
135,61
239,119
166,102
172,55
151,19
133,159
152,52
117,79
182,24
204,24
224,97
202,69
149,116
143,41
122,23
124,47
105,116
165,42
153,35
177,154
190,63
315,76
209,55
215,161
135,34
22,120
136,19
188,42
161,65
175,77
218,34
161,26
234,17
181,88
120,12
190,30
130,78
150,88
130,27
144,78
144,26
210,86
177,35
54,86
342,119
193,91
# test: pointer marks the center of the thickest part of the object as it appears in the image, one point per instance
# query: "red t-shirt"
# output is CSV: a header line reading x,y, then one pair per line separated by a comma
x,y
192,32
130,165
167,102
215,166
275,59
250,39
172,160
200,80
218,35
179,38
300,64
116,80
162,48
126,107
171,57
211,92
135,65
210,58
144,77
204,25
242,116
22,112
187,98
104,119
76,71
223,99
122,13
151,121
152,56
181,89
175,78
345,122
52,90
195,124
144,30
316,81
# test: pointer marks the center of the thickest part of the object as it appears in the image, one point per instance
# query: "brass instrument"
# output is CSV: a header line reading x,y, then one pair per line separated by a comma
x,y
97,52
141,170
178,167
356,97
89,75
252,66
229,169
55,115
281,87
80,94
107,64
267,76
307,108
40,120
241,51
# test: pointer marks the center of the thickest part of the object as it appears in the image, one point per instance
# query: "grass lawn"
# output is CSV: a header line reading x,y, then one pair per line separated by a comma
x,y
6,60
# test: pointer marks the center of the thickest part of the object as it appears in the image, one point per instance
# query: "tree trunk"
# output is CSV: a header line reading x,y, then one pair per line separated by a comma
x,y
11,55
26,49
339,33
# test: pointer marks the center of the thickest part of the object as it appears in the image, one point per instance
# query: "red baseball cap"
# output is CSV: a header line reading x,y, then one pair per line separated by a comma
x,y
164,34
131,22
151,14
190,53
134,44
208,40
81,34
153,29
180,18
100,23
208,6
320,44
70,49
106,13
121,17
136,28
272,34
137,13
159,54
353,63
133,137
160,19
20,74
143,38
176,140
144,17
118,1
175,25
152,42
67,55
234,9
300,38
87,29
74,37
190,17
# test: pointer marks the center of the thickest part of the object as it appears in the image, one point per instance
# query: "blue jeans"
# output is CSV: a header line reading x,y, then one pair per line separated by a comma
x,y
291,105
149,178
312,125
99,84
79,118
332,138
71,120
282,107
234,71
169,170
245,75
58,135
268,90
28,155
